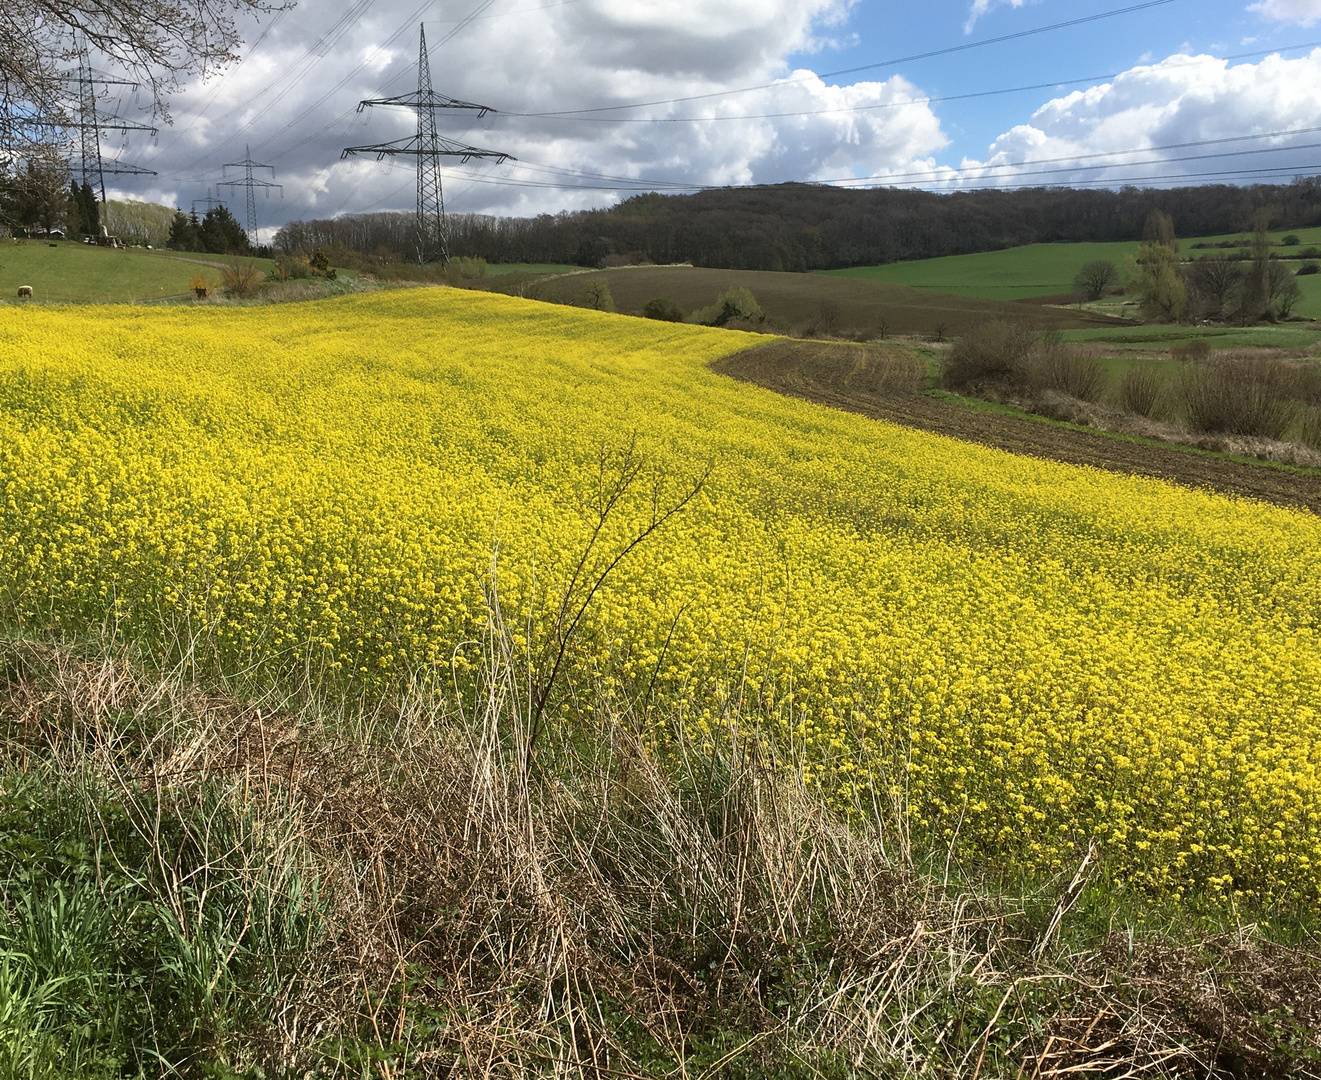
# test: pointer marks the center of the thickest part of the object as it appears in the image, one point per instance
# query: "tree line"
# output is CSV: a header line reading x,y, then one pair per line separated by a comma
x,y
802,227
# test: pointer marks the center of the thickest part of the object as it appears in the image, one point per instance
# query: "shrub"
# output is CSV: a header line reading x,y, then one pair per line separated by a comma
x,y
1310,253
596,295
663,309
292,268
1309,268
1196,349
1140,390
320,265
1055,366
1291,241
1238,398
733,305
466,269
994,351
199,286
241,278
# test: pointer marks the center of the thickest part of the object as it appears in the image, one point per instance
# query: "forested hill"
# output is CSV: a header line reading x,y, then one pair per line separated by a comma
x,y
808,227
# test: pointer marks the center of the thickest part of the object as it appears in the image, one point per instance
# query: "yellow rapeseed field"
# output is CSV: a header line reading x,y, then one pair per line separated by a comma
x,y
1019,656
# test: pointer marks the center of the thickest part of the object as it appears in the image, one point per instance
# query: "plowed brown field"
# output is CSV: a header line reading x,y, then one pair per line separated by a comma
x,y
834,374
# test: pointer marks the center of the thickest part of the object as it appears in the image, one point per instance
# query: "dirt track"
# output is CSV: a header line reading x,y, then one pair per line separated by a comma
x,y
829,375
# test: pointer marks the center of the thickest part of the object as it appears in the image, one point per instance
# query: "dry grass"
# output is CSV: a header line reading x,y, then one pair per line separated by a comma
x,y
622,906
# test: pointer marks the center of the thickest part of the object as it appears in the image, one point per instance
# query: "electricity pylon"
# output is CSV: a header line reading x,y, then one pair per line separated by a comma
x,y
428,146
252,183
94,168
209,202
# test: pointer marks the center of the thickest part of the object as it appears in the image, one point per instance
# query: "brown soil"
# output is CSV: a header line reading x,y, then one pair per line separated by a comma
x,y
834,374
833,305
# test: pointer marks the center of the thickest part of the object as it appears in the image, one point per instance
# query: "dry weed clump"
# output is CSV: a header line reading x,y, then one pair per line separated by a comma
x,y
1253,398
995,351
1057,366
1001,354
242,277
411,889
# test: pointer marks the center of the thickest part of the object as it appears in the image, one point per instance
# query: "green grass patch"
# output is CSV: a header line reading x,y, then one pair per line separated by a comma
x,y
1156,338
73,273
1034,270
1012,274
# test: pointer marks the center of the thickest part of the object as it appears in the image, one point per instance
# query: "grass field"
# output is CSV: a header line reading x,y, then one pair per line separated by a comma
x,y
367,708
72,272
1048,269
1157,338
795,301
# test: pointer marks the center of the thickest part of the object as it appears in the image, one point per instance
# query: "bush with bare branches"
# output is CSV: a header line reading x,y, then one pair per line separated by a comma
x,y
242,277
1238,398
1141,390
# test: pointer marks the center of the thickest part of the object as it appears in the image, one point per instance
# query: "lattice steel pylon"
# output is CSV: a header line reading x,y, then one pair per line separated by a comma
x,y
428,146
252,182
93,167
209,202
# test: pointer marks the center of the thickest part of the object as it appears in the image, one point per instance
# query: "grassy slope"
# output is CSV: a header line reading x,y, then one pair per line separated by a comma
x,y
72,272
1048,269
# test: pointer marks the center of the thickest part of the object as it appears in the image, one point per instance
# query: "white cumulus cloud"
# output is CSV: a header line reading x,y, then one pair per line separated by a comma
x,y
982,7
1130,130
293,100
1301,12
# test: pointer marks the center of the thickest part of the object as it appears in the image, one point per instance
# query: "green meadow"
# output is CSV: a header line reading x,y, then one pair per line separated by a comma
x,y
1034,270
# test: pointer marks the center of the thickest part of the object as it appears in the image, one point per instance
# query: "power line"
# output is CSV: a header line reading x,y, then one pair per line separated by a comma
x,y
938,175
947,51
971,95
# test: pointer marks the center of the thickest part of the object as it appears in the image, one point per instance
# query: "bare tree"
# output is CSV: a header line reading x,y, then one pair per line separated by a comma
x,y
1282,290
36,196
157,41
1094,278
597,294
1213,280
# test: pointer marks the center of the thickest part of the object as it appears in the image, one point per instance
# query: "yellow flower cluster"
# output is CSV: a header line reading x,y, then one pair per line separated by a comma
x,y
1014,656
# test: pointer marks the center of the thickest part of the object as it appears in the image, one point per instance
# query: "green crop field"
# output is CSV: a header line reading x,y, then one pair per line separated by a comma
x,y
70,272
1036,270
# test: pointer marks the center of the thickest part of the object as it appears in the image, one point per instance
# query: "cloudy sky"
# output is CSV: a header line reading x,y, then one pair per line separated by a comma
x,y
598,99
